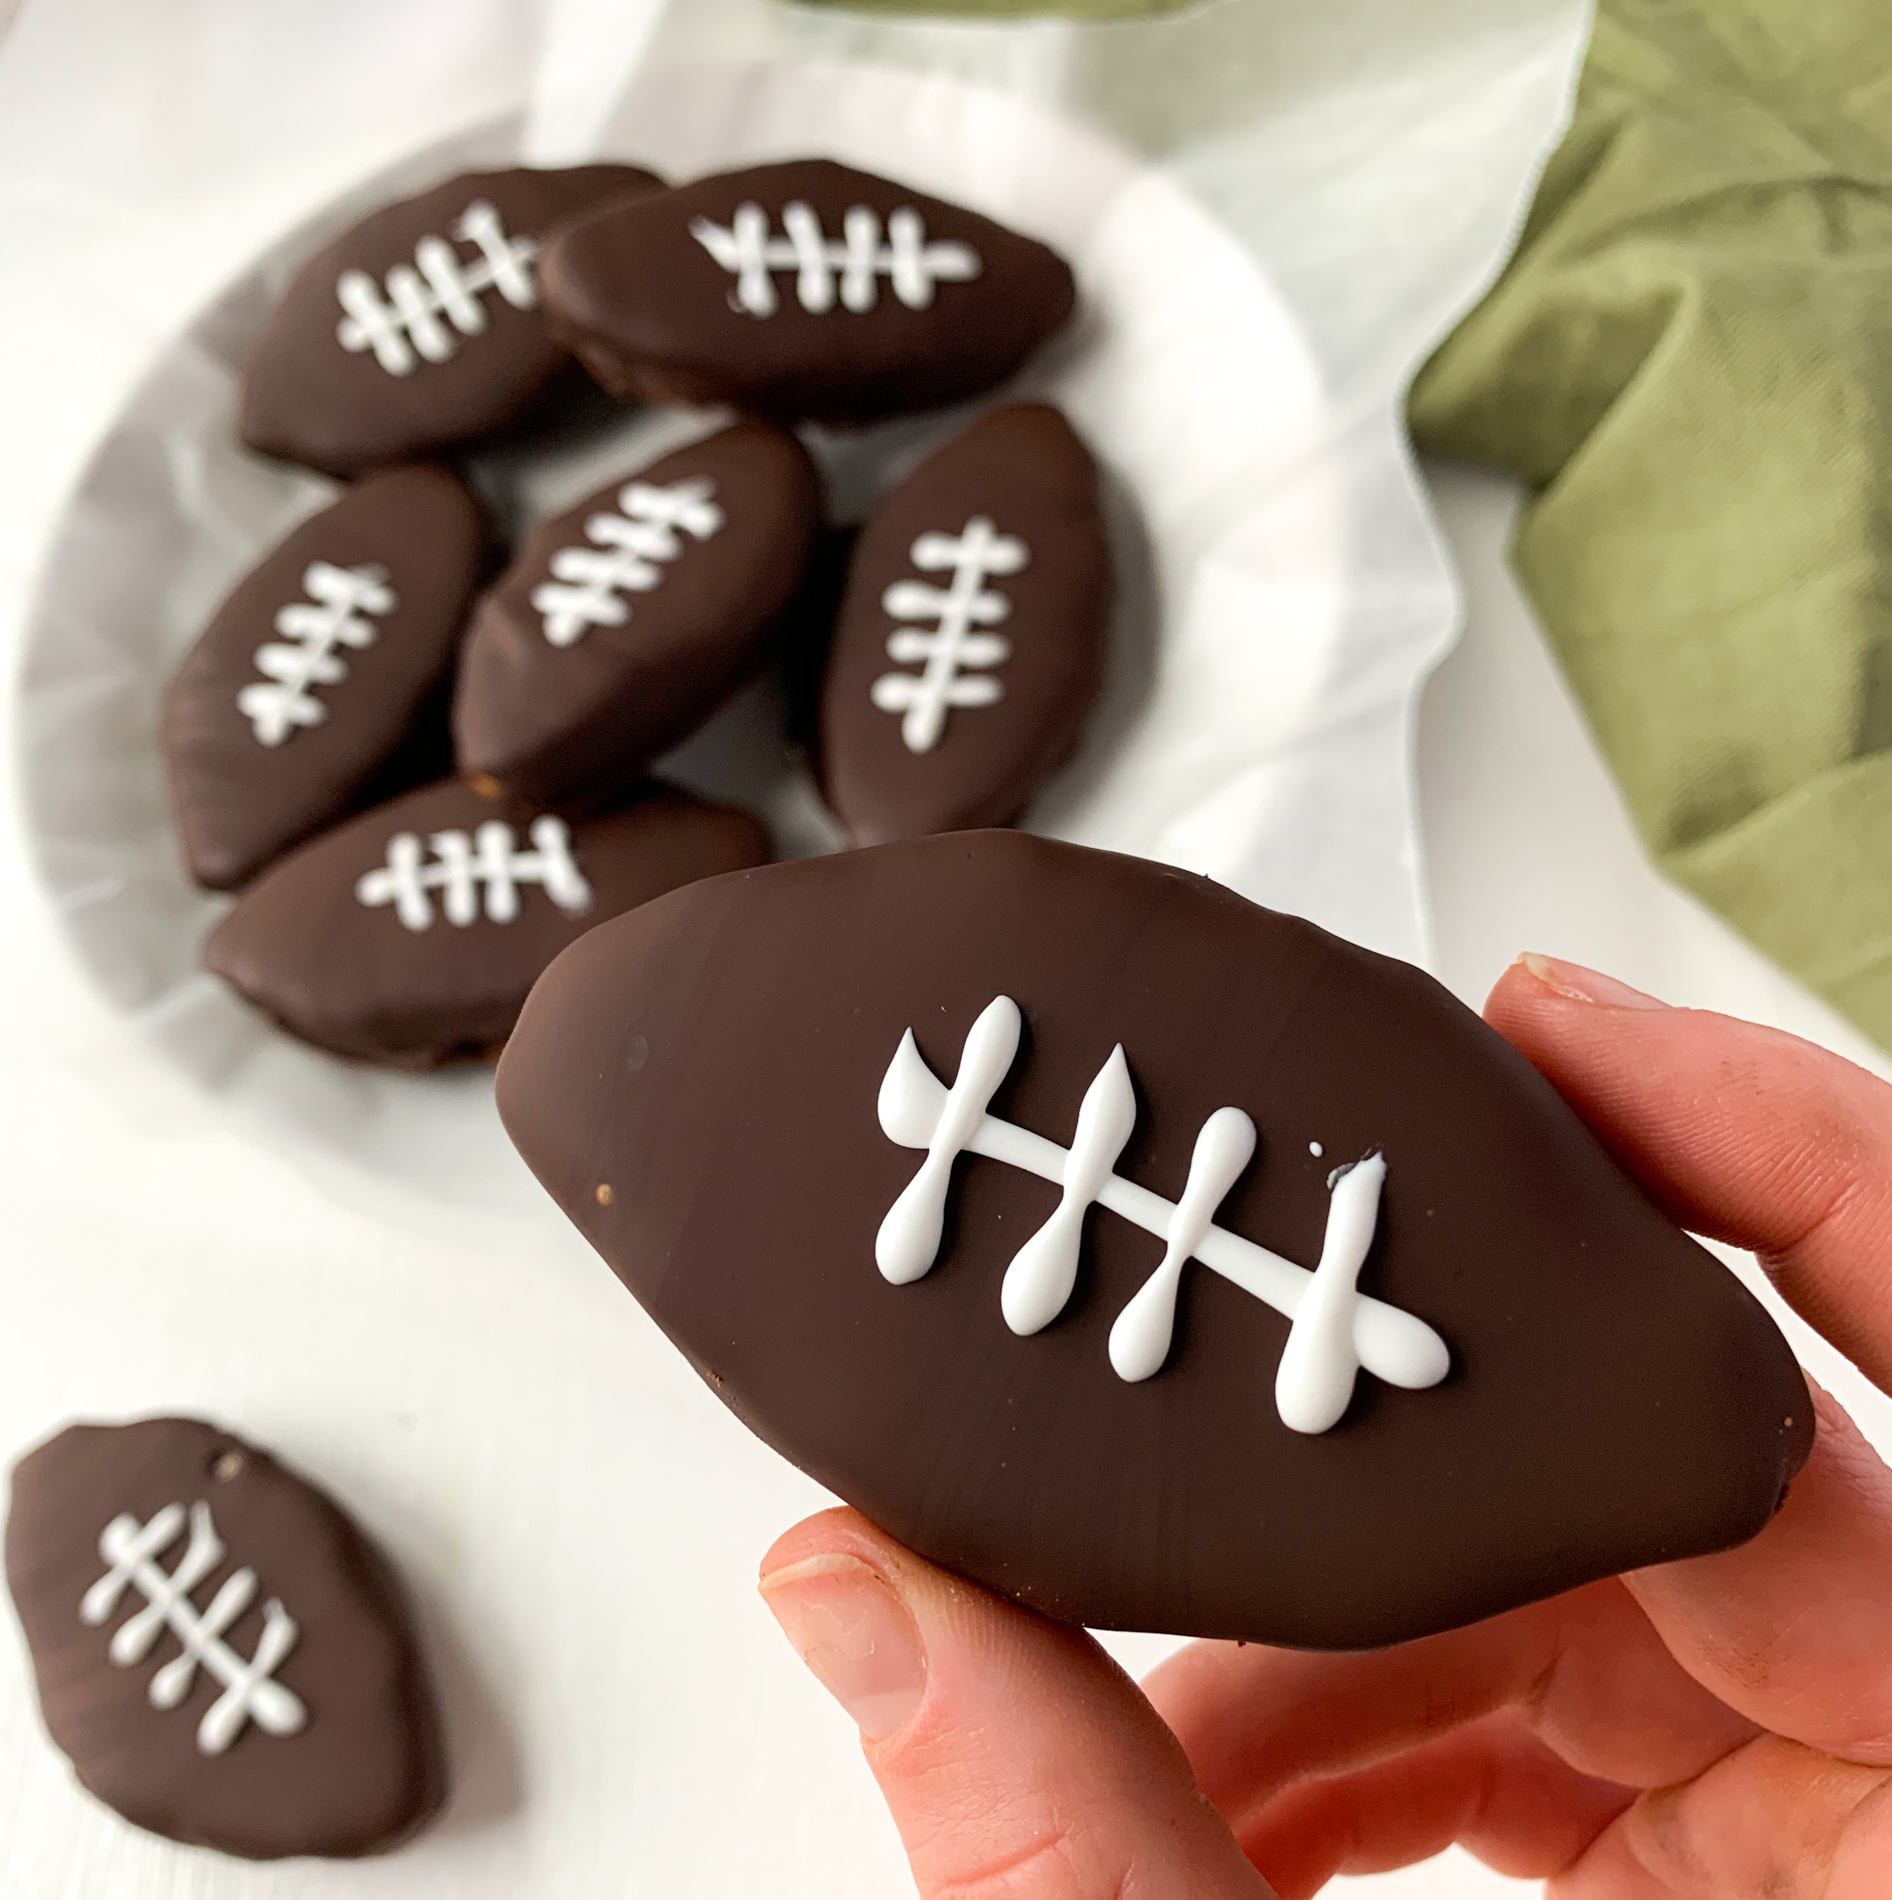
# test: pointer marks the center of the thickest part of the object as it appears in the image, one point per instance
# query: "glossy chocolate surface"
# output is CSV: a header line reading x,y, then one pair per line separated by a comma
x,y
341,966
364,1769
473,362
644,301
589,657
1615,1397
1023,472
246,786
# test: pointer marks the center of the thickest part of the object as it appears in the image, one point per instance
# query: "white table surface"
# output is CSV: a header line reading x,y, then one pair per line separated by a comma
x,y
1528,847
107,1208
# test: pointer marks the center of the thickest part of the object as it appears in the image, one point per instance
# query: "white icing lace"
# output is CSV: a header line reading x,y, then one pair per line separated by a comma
x,y
336,614
427,302
463,868
946,655
586,582
249,1693
1336,1329
853,265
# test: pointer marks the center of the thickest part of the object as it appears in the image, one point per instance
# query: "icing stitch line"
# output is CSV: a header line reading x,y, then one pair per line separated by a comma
x,y
583,591
336,614
439,293
1335,1331
249,1693
924,698
854,266
463,866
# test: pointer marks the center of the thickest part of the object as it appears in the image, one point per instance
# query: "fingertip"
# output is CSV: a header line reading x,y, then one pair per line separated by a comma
x,y
1004,1743
836,1529
1522,989
1535,981
855,1633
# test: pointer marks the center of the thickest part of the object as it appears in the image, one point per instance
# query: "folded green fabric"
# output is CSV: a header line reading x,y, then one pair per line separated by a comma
x,y
1689,361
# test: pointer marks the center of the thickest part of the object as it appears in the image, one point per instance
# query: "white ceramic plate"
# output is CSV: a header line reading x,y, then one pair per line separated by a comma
x,y
1186,372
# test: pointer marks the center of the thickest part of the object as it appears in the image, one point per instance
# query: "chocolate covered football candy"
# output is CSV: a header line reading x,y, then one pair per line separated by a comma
x,y
971,644
222,1655
803,290
1160,1261
410,935
624,623
419,329
318,669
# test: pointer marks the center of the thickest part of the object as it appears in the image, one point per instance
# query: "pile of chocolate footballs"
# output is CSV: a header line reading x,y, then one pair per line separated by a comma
x,y
884,1141
422,762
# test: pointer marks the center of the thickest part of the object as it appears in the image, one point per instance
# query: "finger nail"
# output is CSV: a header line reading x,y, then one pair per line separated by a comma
x,y
1572,980
853,1631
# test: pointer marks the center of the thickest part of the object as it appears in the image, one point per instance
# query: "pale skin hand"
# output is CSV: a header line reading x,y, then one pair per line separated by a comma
x,y
1712,1730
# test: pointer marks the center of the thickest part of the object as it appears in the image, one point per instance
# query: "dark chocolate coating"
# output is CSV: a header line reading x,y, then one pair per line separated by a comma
x,y
807,637
649,310
1616,1397
307,399
365,1770
355,980
239,803
1023,469
564,725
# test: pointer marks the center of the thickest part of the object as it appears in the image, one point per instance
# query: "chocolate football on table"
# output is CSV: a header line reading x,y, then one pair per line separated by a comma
x,y
805,290
1158,1260
410,935
971,643
623,623
221,1654
306,690
419,328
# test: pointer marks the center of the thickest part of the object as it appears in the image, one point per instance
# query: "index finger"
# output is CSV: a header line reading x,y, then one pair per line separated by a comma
x,y
1742,1133
1757,1138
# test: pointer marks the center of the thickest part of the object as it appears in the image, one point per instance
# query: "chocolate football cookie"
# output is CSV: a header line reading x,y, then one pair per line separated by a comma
x,y
419,329
624,623
971,643
1160,1261
801,290
410,935
317,670
221,1654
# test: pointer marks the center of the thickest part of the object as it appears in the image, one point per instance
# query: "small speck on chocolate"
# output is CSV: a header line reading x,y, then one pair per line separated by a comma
x,y
604,1194
484,784
227,1466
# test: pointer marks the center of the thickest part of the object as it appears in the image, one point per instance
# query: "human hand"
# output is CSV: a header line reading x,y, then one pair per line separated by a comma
x,y
1719,1729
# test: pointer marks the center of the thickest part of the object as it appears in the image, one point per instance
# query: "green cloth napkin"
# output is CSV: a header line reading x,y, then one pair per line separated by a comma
x,y
1689,361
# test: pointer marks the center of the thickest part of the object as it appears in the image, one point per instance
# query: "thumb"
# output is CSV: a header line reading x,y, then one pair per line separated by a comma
x,y
1019,1762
